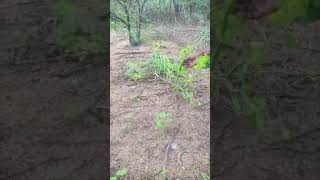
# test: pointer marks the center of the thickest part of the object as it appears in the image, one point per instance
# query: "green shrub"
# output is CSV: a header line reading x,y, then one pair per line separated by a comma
x,y
120,174
166,69
174,73
137,70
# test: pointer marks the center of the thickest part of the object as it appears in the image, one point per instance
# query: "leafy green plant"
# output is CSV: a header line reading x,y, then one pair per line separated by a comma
x,y
120,175
185,52
205,176
164,172
174,72
163,120
165,68
203,62
118,27
137,70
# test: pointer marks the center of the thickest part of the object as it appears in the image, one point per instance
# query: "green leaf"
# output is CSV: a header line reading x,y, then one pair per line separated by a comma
x,y
205,176
203,62
122,172
163,172
185,52
162,120
113,178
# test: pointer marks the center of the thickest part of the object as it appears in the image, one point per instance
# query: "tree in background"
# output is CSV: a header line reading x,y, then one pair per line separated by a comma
x,y
130,14
178,10
133,14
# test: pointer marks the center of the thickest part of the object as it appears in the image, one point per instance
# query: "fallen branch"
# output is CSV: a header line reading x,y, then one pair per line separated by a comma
x,y
133,52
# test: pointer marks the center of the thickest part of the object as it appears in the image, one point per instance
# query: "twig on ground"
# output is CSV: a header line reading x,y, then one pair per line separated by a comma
x,y
133,52
167,151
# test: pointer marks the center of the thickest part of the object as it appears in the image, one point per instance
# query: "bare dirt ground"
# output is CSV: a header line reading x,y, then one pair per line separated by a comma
x,y
51,122
135,142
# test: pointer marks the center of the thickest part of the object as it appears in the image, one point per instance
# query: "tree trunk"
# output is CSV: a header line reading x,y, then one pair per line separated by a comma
x,y
176,9
191,8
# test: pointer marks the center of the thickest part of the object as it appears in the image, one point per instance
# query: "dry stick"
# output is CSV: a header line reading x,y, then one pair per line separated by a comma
x,y
133,52
120,114
167,150
180,157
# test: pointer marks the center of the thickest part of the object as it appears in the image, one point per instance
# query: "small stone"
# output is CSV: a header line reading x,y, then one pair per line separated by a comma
x,y
174,145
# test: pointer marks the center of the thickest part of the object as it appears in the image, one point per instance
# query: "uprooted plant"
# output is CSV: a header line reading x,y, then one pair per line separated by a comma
x,y
167,70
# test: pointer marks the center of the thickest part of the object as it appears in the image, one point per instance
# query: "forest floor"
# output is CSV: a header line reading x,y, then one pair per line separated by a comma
x,y
51,122
135,142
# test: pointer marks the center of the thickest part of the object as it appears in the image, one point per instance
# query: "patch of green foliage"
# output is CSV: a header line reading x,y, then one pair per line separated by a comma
x,y
120,175
117,26
78,31
203,62
174,72
166,69
185,52
163,120
137,70
164,172
205,176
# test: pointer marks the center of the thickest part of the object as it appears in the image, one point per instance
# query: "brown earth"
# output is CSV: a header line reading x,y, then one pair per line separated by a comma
x,y
135,142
